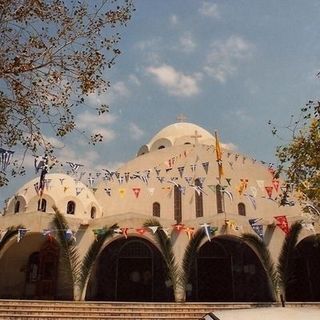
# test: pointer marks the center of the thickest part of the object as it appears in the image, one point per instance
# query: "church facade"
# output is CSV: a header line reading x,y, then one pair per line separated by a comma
x,y
184,181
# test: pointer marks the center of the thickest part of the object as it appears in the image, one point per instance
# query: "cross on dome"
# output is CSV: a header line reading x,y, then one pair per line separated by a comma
x,y
181,118
196,136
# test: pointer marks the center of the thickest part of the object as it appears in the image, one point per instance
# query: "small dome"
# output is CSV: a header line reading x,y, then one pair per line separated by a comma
x,y
178,134
70,196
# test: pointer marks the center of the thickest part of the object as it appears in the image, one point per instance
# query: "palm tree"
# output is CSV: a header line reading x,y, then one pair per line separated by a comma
x,y
166,249
190,256
69,252
258,245
11,232
285,267
91,257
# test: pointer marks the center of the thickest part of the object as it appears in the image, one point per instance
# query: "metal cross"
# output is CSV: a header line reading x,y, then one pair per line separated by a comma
x,y
181,118
196,136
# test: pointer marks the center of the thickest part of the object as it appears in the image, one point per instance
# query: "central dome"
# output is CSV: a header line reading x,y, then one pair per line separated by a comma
x,y
178,134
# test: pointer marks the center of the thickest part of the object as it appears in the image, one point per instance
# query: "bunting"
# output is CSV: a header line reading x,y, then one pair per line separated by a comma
x,y
269,190
282,223
180,170
21,233
189,231
136,192
74,166
205,166
257,227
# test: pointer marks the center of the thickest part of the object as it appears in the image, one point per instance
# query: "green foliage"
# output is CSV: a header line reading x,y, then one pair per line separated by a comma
x,y
285,265
166,249
265,257
299,158
11,232
69,253
91,256
190,256
53,54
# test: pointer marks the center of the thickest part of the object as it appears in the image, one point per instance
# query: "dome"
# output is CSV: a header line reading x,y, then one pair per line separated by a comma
x,y
178,134
62,191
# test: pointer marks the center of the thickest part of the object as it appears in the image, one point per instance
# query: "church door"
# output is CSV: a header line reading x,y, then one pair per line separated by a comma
x,y
48,270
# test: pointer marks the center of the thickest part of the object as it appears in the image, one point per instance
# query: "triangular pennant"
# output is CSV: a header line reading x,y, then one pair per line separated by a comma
x,y
74,166
189,231
254,191
166,232
178,226
269,191
260,184
151,191
282,223
189,180
256,227
276,183
69,235
205,166
141,231
153,229
122,192
181,169
252,200
21,234
78,190
91,181
157,171
136,191
108,191
127,176
228,193
161,179
228,181
212,187
193,167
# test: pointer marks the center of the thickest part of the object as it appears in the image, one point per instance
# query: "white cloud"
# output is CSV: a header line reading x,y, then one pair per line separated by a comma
x,y
120,89
229,146
187,43
225,56
135,131
134,79
177,83
209,10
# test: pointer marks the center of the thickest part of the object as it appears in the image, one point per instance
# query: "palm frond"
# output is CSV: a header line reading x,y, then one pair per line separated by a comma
x,y
11,232
285,265
69,252
166,248
190,256
264,254
91,257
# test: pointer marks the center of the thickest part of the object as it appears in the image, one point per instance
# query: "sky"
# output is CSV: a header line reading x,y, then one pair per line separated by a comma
x,y
227,65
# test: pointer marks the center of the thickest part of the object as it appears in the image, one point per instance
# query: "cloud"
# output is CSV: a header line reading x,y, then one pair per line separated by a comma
x,y
174,20
229,146
135,131
177,83
225,56
93,124
209,10
134,80
187,43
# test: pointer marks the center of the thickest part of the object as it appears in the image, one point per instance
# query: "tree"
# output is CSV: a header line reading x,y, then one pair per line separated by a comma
x,y
53,53
299,158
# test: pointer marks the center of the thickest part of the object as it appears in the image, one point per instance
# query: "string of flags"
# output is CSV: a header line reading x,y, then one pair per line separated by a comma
x,y
5,158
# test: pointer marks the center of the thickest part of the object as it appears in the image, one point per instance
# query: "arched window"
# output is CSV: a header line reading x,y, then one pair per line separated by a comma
x,y
71,207
220,199
17,207
241,209
177,204
156,209
198,199
42,205
161,147
93,212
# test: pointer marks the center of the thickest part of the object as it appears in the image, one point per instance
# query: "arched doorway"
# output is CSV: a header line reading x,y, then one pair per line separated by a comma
x,y
226,269
305,278
131,270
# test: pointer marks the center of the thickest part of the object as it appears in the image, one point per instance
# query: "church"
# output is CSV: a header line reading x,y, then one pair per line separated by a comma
x,y
185,180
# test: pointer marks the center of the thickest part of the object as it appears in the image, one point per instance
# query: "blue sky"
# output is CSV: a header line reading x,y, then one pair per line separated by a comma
x,y
228,65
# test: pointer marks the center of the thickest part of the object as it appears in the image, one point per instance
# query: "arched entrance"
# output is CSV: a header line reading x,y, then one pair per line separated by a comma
x,y
29,268
305,278
131,270
226,269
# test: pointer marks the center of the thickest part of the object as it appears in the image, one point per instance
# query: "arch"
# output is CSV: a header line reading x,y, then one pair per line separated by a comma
x,y
177,205
198,199
241,209
42,205
17,207
156,209
130,270
236,273
71,207
305,263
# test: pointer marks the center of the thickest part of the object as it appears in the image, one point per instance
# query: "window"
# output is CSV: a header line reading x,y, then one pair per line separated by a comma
x,y
93,212
241,209
161,147
17,207
220,199
71,207
42,205
156,209
198,199
177,204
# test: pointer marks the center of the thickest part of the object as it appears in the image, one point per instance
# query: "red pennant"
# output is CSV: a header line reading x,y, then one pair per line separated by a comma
x,y
136,191
141,230
178,226
125,232
282,223
269,191
276,184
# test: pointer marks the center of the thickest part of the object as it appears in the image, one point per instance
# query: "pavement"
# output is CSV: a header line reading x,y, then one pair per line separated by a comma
x,y
270,313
